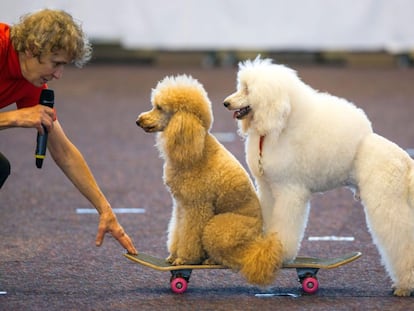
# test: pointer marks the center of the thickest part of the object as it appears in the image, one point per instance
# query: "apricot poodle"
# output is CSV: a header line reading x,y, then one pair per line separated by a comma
x,y
216,216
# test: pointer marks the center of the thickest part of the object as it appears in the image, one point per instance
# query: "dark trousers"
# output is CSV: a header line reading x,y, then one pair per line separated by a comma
x,y
4,169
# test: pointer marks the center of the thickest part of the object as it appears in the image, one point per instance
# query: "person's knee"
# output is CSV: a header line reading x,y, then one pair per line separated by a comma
x,y
4,169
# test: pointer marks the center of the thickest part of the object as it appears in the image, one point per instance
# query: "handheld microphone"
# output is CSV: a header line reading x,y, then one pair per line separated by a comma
x,y
47,98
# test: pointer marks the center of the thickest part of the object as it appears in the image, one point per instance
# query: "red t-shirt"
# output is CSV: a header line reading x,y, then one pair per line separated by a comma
x,y
14,88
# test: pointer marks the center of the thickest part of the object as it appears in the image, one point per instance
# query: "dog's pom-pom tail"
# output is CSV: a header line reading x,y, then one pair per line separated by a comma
x,y
262,260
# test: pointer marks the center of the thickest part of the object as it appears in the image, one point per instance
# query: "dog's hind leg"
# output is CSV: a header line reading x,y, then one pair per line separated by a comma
x,y
237,241
383,174
391,224
226,231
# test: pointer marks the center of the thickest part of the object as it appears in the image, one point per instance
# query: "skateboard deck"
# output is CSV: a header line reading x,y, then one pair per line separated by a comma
x,y
306,268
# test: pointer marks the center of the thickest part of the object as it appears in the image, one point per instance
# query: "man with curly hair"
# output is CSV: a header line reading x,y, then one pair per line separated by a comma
x,y
33,52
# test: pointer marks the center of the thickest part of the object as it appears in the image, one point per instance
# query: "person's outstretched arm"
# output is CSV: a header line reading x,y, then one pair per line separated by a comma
x,y
74,166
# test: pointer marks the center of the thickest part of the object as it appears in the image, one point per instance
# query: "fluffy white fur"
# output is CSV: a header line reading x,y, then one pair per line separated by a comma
x,y
314,142
216,215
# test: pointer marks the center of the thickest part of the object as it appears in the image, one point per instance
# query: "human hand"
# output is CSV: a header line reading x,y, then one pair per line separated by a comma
x,y
109,223
36,116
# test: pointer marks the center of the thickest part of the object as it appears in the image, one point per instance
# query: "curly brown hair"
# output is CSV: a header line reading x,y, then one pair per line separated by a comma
x,y
48,31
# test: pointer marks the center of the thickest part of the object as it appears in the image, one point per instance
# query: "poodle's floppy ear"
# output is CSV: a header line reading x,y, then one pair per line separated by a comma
x,y
183,138
273,113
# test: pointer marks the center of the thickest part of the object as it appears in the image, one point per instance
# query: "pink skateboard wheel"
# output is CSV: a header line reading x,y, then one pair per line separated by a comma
x,y
178,285
310,285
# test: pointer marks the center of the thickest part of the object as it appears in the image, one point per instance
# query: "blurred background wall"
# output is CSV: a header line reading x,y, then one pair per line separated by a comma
x,y
223,31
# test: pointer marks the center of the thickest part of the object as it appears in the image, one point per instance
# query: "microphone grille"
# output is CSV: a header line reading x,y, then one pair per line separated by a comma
x,y
47,97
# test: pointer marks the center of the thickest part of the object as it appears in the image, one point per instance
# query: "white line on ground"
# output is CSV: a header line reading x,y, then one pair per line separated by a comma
x,y
3,293
277,295
116,211
225,137
332,238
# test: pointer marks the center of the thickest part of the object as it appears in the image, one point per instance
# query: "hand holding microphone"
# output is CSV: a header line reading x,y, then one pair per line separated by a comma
x,y
47,98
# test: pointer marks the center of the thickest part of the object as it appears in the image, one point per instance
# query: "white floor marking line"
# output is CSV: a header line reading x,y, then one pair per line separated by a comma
x,y
332,238
277,295
3,293
116,211
225,137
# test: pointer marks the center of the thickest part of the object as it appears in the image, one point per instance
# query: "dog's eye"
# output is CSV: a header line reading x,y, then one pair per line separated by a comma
x,y
158,107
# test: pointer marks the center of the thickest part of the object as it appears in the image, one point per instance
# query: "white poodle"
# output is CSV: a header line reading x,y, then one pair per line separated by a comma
x,y
300,141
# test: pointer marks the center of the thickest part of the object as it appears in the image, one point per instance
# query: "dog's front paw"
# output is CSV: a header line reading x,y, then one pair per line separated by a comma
x,y
178,262
170,259
210,262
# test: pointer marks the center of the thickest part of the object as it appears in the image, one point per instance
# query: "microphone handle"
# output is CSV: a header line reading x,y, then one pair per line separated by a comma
x,y
47,98
41,143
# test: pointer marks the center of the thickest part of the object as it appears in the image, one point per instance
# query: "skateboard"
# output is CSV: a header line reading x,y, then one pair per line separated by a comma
x,y
306,269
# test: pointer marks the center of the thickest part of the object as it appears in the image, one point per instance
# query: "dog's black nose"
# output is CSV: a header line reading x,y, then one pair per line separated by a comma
x,y
226,104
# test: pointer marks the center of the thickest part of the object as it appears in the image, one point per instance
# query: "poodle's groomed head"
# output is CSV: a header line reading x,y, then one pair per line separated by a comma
x,y
181,113
180,94
262,100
